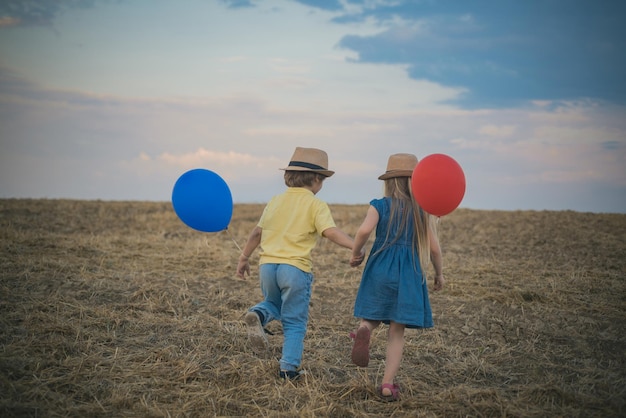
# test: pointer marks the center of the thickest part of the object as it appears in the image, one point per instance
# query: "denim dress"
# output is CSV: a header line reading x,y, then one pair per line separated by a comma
x,y
393,287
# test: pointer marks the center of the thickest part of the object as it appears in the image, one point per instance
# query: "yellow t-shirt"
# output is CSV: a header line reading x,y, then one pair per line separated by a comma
x,y
291,223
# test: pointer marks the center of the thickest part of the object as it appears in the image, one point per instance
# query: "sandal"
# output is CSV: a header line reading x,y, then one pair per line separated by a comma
x,y
395,392
361,347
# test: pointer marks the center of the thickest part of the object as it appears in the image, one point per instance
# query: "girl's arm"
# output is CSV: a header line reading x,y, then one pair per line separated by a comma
x,y
362,235
437,259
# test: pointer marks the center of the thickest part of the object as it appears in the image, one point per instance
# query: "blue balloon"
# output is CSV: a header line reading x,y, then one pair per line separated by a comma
x,y
202,200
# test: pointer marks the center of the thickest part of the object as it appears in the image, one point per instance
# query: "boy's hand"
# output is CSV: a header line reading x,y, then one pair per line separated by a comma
x,y
243,267
357,260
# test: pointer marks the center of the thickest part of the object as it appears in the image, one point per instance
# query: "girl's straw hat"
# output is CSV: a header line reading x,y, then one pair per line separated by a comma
x,y
309,159
399,165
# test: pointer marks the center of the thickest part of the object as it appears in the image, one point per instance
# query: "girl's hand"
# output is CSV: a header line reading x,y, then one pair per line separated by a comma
x,y
357,260
439,282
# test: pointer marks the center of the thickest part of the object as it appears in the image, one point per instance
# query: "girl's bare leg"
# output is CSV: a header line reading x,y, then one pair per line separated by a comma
x,y
369,324
395,346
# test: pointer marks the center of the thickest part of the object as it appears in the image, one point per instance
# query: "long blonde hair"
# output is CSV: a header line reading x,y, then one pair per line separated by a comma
x,y
403,209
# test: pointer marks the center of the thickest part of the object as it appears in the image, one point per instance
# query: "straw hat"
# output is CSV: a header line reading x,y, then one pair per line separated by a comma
x,y
309,159
399,165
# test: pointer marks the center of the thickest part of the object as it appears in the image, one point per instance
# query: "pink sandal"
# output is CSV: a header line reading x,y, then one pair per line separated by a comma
x,y
395,392
361,347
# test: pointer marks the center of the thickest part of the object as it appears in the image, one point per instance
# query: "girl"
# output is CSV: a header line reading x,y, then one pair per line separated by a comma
x,y
393,285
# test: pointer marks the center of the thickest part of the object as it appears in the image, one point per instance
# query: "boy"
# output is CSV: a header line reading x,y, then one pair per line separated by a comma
x,y
287,233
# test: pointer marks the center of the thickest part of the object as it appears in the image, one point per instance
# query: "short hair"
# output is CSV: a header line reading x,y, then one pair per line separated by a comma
x,y
302,178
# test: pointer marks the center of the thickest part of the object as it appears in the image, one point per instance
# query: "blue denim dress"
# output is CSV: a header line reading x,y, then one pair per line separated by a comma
x,y
392,286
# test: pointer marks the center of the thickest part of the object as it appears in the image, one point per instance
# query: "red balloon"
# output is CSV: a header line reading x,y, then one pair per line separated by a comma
x,y
438,184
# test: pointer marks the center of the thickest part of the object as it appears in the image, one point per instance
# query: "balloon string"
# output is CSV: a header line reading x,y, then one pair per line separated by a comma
x,y
233,239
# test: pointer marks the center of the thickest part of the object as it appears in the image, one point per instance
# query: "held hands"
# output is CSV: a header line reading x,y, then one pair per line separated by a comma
x,y
357,260
439,282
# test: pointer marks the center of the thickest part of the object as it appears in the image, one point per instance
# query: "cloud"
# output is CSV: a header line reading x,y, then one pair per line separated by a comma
x,y
238,4
331,5
504,53
613,145
76,144
237,58
38,12
8,21
497,131
231,160
501,54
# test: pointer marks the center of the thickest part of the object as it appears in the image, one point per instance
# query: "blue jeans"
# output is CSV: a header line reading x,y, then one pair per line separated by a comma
x,y
287,292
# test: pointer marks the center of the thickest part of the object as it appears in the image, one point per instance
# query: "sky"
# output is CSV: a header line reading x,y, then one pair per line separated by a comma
x,y
116,99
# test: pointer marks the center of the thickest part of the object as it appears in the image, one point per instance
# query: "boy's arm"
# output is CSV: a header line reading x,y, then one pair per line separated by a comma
x,y
339,237
243,266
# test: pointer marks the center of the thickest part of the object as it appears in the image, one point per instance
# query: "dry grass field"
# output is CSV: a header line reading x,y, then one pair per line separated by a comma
x,y
118,309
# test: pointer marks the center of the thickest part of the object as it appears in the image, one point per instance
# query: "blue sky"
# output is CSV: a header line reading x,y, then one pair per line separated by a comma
x,y
114,100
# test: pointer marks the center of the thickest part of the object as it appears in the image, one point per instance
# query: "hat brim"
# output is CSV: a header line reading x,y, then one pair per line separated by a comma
x,y
326,173
395,173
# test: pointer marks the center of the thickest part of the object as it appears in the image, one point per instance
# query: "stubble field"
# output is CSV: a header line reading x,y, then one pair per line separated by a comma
x,y
118,309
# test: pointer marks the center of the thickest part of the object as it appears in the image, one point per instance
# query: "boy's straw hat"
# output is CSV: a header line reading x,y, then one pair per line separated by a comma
x,y
309,159
399,165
